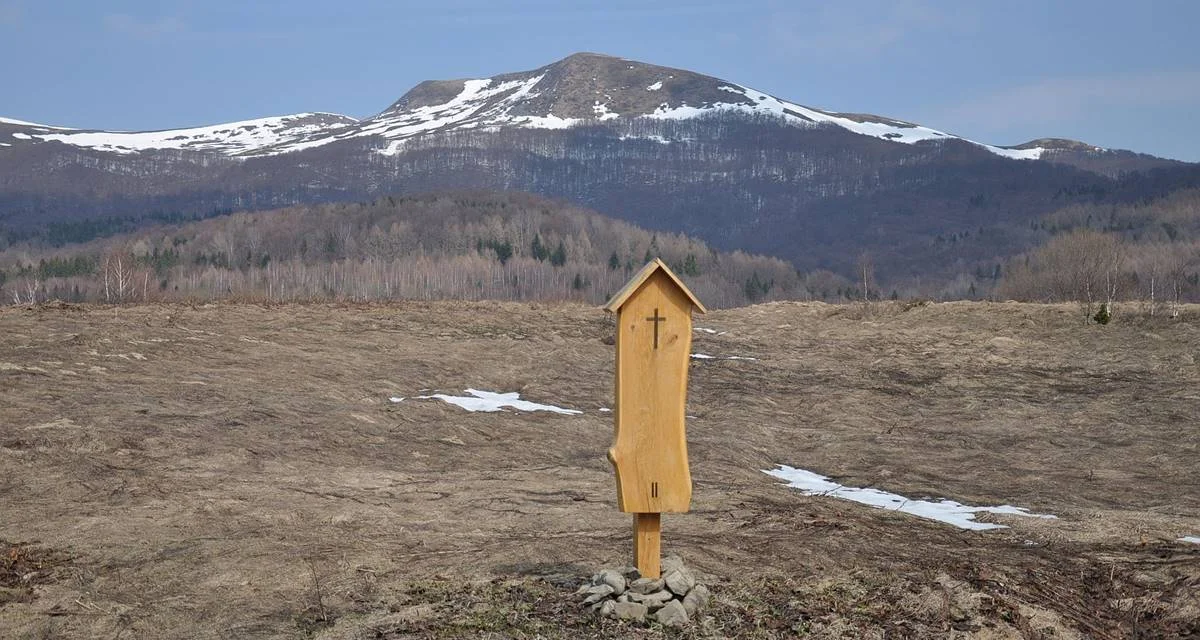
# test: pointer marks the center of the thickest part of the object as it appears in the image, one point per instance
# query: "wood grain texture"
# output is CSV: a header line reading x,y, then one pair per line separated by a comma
x,y
647,544
650,448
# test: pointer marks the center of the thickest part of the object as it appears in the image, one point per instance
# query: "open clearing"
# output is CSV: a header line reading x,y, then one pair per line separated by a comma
x,y
237,471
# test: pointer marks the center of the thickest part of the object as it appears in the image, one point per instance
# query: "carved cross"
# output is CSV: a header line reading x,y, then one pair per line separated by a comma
x,y
656,319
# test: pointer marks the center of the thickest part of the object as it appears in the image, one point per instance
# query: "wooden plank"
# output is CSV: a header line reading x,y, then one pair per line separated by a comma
x,y
647,543
654,340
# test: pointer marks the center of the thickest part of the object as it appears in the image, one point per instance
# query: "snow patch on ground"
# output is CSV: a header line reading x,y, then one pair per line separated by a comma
x,y
705,356
652,138
1191,539
709,331
947,511
602,112
546,122
476,400
666,112
655,87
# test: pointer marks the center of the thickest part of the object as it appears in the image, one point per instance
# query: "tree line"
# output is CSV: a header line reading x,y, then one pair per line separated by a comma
x,y
467,245
475,245
1095,254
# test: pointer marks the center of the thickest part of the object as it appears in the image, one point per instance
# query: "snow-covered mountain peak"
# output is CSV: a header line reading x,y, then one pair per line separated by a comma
x,y
582,89
586,88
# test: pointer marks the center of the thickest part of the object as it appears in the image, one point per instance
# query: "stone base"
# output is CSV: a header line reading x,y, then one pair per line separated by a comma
x,y
623,594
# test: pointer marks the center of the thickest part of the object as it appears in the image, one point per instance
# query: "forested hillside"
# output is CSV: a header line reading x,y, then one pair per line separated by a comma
x,y
1091,253
665,149
511,246
463,245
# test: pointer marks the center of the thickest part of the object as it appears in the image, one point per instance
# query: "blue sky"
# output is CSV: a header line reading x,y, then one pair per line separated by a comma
x,y
1116,74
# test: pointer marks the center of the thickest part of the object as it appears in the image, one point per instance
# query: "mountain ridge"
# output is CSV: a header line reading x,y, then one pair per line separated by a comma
x,y
578,90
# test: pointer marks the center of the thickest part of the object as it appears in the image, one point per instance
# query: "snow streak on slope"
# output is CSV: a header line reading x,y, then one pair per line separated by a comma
x,y
481,104
231,139
894,130
22,123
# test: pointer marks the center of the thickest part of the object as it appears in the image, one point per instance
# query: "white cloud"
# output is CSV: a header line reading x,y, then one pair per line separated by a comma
x,y
143,27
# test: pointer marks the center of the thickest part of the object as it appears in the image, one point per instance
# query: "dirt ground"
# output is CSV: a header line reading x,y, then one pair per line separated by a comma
x,y
238,471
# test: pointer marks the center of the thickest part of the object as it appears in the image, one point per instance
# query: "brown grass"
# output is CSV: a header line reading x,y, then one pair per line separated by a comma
x,y
237,471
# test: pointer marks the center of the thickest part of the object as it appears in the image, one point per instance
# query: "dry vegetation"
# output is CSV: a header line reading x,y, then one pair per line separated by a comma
x,y
233,470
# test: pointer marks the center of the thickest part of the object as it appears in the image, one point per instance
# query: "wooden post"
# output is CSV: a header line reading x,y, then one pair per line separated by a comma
x,y
647,543
649,454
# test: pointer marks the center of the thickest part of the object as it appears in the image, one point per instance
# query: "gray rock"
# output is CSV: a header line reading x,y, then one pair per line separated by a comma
x,y
696,599
614,580
653,600
680,581
646,585
631,610
624,597
672,563
597,593
672,615
608,608
630,572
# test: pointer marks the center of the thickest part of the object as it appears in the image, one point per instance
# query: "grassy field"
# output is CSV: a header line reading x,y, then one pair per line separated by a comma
x,y
238,471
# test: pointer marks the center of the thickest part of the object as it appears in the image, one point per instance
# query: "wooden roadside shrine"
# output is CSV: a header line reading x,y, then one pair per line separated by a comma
x,y
649,454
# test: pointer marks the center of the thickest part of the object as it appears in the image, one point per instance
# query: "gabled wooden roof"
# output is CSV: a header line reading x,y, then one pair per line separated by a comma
x,y
642,276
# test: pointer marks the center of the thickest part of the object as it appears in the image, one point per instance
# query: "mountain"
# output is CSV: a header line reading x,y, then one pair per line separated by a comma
x,y
663,148
582,89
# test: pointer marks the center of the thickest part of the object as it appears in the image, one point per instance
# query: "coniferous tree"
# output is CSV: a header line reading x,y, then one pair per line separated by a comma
x,y
689,265
539,250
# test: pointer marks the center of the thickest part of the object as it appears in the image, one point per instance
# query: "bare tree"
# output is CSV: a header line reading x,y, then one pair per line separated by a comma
x,y
866,274
118,276
27,292
1084,266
